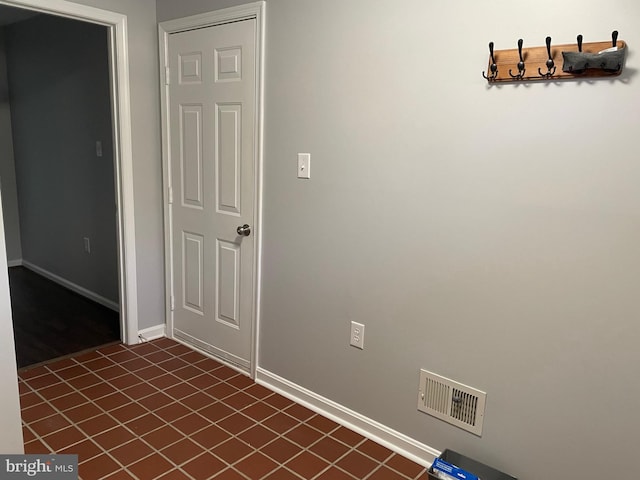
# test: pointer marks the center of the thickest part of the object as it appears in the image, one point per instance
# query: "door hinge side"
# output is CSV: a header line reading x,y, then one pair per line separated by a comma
x,y
167,76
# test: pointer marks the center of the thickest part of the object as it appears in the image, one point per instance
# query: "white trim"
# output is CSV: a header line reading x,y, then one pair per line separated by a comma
x,y
393,440
255,11
117,26
152,333
14,263
72,286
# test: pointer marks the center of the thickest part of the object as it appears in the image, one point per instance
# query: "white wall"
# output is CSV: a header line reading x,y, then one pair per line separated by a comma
x,y
11,441
7,166
487,234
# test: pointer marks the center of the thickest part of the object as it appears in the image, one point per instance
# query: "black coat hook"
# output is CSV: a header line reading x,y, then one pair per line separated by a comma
x,y
614,38
493,67
580,43
521,67
551,69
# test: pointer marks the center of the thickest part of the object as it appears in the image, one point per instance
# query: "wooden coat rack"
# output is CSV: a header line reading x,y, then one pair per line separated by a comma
x,y
547,62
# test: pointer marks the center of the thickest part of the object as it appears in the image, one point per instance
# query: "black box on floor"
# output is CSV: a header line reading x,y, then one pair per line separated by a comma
x,y
481,470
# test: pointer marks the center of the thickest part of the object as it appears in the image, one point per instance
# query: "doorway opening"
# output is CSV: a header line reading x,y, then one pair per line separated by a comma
x,y
78,171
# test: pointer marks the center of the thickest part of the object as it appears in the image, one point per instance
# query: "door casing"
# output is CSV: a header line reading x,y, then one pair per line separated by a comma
x,y
249,11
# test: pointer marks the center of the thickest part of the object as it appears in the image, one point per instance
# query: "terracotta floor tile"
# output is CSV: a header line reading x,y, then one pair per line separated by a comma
x,y
335,474
182,451
123,355
121,474
125,381
33,372
187,372
162,437
113,438
259,411
98,363
278,401
231,474
158,356
175,474
178,349
131,452
172,364
85,450
216,412
135,364
180,390
223,373
151,467
72,372
258,391
69,401
128,412
329,449
256,466
144,424
322,423
280,422
98,390
303,435
97,425
156,401
164,381
347,436
232,450
35,446
55,391
97,467
42,381
192,357
172,412
190,423
257,436
404,466
307,465
282,474
221,390
145,348
111,372
374,450
88,356
27,434
357,464
83,412
240,381
139,391
208,365
197,401
60,364
281,450
211,436
49,425
164,342
150,372
113,401
236,423
64,438
204,466
29,400
383,473
84,381
203,381
23,387
299,412
111,349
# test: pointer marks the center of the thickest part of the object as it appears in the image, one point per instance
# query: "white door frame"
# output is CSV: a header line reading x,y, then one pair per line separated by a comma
x,y
116,24
255,11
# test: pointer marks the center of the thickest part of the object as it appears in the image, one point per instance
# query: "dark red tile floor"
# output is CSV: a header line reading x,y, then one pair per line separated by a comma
x,y
160,410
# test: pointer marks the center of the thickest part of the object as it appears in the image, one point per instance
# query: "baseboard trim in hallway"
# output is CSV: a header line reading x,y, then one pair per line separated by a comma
x,y
401,444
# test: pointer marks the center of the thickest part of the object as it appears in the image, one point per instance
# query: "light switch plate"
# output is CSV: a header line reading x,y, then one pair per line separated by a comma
x,y
304,165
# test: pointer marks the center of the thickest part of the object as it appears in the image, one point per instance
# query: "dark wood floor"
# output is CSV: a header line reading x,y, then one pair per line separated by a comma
x,y
50,321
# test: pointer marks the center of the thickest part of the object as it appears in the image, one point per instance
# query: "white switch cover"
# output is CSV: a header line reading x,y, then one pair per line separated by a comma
x,y
357,335
98,148
304,165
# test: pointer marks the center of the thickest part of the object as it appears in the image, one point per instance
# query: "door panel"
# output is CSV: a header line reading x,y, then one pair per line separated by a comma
x,y
212,174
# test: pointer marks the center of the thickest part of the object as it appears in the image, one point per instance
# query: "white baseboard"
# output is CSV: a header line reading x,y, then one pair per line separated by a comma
x,y
395,441
72,286
151,333
14,263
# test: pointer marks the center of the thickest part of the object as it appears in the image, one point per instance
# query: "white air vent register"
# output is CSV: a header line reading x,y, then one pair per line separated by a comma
x,y
451,401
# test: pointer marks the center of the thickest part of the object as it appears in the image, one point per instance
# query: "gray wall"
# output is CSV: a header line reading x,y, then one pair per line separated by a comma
x,y
147,161
59,85
7,168
487,234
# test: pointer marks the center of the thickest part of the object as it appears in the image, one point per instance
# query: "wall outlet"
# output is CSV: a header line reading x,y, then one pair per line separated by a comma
x,y
357,335
87,245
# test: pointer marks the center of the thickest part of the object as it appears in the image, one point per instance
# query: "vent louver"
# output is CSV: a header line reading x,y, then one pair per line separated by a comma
x,y
451,401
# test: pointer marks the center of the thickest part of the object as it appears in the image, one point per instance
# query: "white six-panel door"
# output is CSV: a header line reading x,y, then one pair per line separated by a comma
x,y
211,132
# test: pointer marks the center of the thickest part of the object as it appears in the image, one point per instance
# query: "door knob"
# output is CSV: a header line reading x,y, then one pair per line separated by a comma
x,y
244,230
